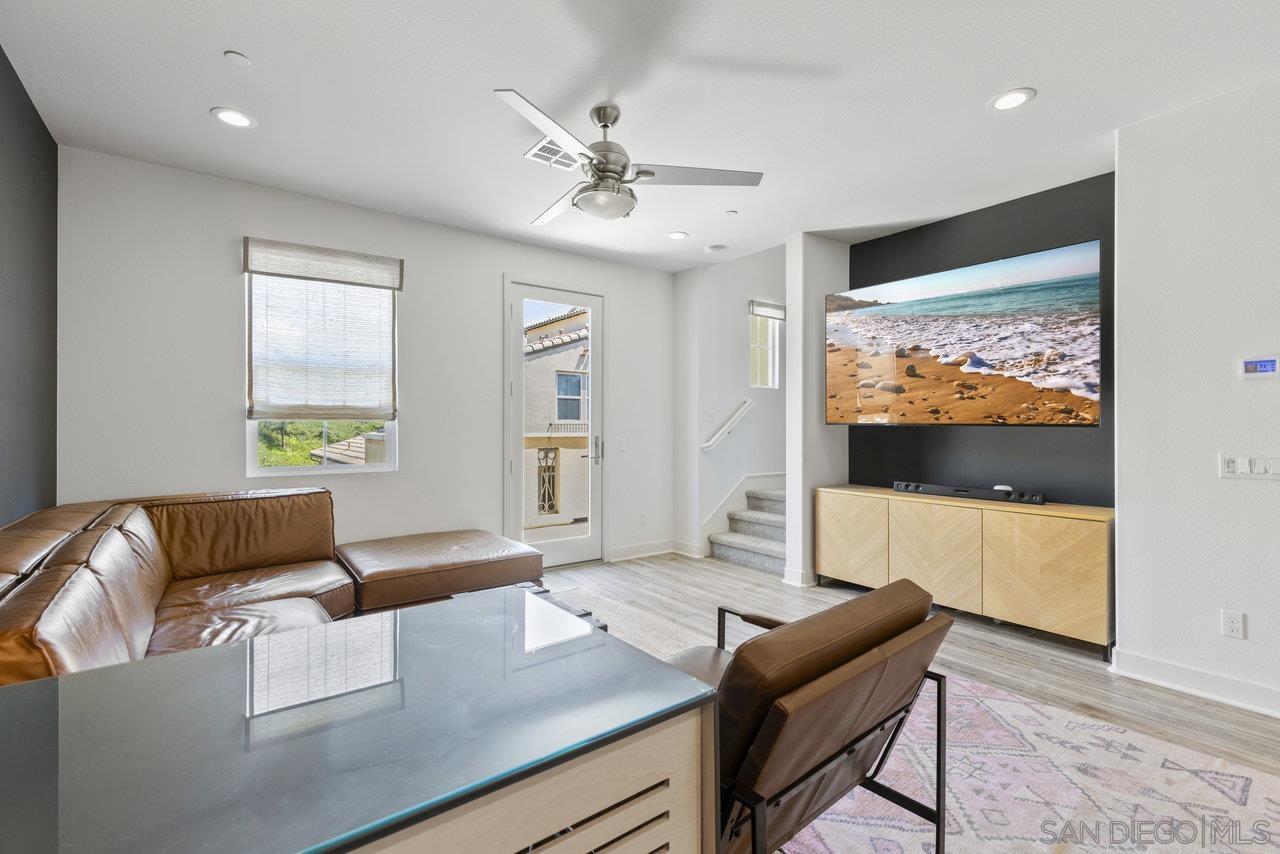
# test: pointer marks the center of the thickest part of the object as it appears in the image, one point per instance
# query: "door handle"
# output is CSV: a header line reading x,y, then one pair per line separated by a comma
x,y
599,451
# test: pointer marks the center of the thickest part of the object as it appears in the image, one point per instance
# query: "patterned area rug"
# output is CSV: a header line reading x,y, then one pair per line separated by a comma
x,y
1021,776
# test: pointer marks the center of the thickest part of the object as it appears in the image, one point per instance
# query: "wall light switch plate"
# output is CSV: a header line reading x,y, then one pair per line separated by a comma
x,y
1253,466
1232,624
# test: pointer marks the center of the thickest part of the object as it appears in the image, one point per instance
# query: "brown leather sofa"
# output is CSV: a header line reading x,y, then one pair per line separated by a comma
x,y
96,583
809,710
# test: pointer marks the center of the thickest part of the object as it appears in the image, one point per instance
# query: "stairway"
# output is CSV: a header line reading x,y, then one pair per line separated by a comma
x,y
757,536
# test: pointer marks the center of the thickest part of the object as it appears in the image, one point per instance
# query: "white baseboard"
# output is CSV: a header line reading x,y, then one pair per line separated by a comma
x,y
689,549
635,550
798,578
1254,696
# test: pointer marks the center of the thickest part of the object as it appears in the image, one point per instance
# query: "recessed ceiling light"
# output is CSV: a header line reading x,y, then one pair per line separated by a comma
x,y
1012,98
237,58
235,118
732,213
677,235
714,248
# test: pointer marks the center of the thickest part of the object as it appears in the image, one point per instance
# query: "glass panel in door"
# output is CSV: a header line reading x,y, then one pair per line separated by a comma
x,y
559,468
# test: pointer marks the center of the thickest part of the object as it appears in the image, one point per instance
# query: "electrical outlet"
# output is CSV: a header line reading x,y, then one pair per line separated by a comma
x,y
1233,624
644,519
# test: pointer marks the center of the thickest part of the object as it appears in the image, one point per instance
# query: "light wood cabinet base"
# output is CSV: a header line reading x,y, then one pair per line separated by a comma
x,y
652,789
939,548
1044,566
1047,573
855,531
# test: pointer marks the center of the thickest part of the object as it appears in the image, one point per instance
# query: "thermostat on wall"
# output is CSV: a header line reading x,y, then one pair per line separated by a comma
x,y
1260,368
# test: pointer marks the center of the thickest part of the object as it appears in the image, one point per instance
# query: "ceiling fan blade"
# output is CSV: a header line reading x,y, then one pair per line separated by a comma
x,y
549,126
559,206
692,175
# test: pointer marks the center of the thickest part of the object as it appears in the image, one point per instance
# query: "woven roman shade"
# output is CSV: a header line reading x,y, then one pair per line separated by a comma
x,y
322,333
760,308
316,264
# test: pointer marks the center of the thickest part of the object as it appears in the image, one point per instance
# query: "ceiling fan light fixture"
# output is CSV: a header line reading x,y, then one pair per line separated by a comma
x,y
605,200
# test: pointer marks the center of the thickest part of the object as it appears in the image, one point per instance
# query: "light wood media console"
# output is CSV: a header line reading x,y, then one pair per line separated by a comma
x,y
1044,566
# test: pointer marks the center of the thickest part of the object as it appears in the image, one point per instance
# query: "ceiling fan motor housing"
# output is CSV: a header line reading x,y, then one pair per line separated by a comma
x,y
612,161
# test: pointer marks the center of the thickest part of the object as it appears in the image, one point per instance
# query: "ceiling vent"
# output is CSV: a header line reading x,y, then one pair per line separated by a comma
x,y
548,152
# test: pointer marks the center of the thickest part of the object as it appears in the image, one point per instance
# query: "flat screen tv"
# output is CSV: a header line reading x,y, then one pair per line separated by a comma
x,y
1010,342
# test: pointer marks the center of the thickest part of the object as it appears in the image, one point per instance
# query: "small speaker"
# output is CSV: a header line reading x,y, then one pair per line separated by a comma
x,y
1017,496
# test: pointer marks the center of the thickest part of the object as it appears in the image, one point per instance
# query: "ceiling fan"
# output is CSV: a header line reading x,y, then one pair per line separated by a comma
x,y
608,168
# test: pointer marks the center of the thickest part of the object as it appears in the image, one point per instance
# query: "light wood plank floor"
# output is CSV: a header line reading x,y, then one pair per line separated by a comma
x,y
686,591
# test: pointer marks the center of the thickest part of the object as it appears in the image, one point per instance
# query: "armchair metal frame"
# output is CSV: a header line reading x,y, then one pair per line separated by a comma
x,y
758,806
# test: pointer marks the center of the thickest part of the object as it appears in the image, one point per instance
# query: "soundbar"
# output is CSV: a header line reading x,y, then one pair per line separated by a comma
x,y
1017,496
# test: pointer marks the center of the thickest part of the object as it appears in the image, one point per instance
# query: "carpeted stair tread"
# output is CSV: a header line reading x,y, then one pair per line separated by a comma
x,y
746,542
759,517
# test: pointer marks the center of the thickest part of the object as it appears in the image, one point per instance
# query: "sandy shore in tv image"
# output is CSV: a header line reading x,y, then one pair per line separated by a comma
x,y
1016,341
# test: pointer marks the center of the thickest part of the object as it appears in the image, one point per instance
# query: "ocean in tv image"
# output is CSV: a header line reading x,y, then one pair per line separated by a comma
x,y
1014,341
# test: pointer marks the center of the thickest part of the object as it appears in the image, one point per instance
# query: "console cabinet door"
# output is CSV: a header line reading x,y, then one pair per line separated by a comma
x,y
1046,572
851,539
938,547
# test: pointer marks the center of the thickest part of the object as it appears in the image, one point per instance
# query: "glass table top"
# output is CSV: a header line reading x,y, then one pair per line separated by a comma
x,y
313,738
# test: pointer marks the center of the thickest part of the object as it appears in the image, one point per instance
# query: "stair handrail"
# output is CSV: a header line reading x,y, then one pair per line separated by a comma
x,y
729,424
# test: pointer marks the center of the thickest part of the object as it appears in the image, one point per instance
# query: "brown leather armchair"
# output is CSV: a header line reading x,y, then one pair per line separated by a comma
x,y
811,709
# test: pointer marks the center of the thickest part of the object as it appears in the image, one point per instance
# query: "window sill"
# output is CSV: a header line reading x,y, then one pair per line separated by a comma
x,y
294,471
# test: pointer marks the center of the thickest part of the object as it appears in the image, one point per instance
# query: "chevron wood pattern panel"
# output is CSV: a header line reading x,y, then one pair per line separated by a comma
x,y
1046,572
851,538
940,548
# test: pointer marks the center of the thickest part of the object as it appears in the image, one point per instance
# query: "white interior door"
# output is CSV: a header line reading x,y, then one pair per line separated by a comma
x,y
554,449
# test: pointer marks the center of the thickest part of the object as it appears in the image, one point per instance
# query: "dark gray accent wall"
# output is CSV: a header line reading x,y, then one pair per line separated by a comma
x,y
1072,464
28,302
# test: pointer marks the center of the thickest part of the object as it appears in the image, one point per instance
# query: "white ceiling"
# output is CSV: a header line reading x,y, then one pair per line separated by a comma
x,y
865,116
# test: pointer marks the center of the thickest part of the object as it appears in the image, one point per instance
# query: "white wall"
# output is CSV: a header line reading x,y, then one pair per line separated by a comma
x,y
686,423
817,455
151,352
712,381
1197,255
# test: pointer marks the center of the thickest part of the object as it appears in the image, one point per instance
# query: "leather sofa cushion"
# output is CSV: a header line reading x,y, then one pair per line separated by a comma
x,y
8,581
414,568
22,549
58,621
775,663
706,663
186,628
68,518
27,541
133,589
209,534
322,580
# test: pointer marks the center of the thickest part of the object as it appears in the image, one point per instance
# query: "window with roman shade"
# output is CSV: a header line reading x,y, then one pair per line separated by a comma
x,y
765,323
322,332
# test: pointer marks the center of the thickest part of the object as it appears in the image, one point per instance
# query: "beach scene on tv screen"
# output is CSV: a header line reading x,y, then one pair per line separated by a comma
x,y
1014,341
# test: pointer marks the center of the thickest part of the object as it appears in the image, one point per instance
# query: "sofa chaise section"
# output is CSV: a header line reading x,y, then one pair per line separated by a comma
x,y
397,571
